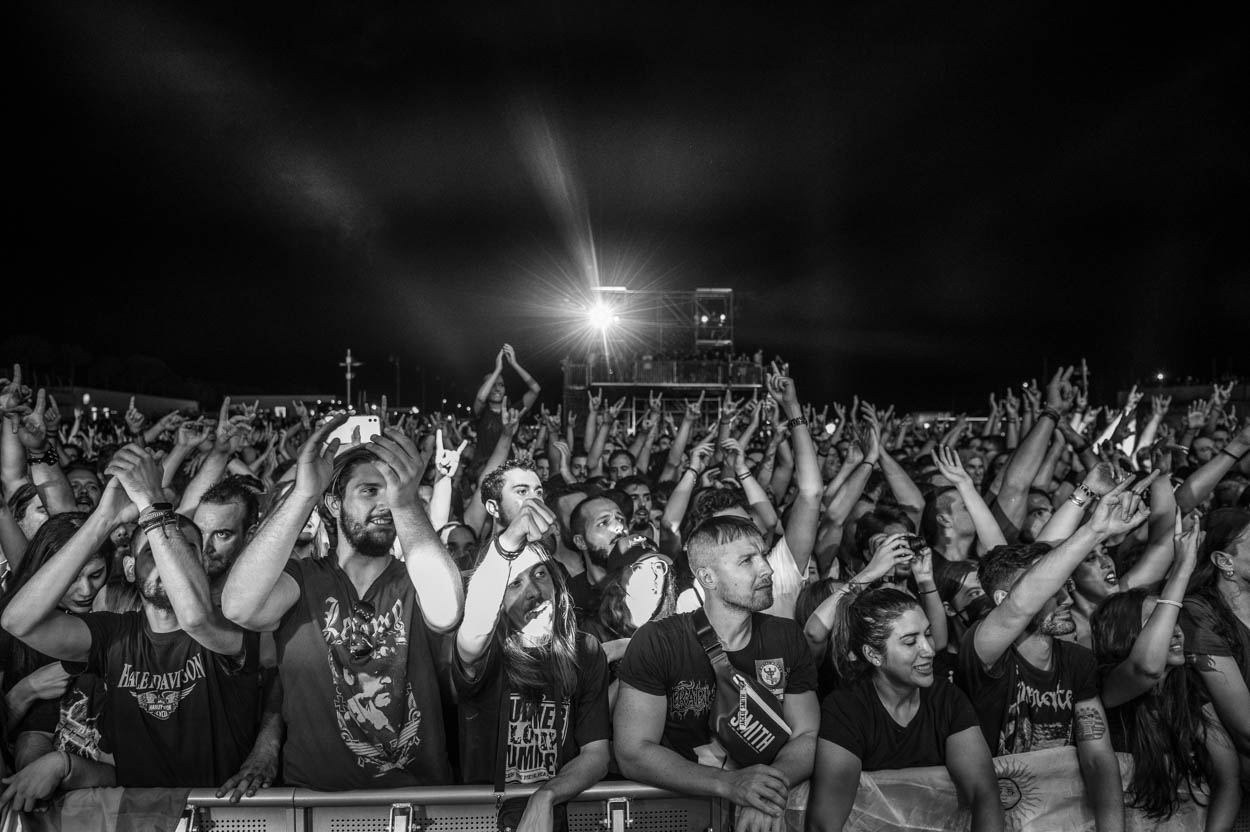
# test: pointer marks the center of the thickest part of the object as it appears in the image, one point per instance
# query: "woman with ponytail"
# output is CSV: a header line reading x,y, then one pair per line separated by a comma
x,y
892,712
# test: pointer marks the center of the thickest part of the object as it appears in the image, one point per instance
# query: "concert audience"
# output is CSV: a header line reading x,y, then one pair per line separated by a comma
x,y
603,578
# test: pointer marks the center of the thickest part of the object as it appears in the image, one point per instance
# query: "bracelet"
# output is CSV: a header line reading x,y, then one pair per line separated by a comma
x,y
1184,448
1176,604
504,553
1051,412
1087,491
1233,455
694,471
927,591
48,457
796,422
745,475
160,520
1077,501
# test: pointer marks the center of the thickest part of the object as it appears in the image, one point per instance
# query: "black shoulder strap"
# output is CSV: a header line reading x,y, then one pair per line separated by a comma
x,y
708,639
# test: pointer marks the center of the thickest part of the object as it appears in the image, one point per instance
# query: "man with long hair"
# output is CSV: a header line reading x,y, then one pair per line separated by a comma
x,y
520,658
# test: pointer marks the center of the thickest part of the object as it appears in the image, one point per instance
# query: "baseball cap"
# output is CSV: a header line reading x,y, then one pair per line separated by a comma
x,y
629,549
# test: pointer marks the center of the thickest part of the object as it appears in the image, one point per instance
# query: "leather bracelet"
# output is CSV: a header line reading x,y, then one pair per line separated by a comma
x,y
796,422
1233,455
506,554
1051,412
745,475
694,471
159,520
48,457
927,591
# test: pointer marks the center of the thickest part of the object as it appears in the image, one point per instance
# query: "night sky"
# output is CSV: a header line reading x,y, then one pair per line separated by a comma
x,y
912,201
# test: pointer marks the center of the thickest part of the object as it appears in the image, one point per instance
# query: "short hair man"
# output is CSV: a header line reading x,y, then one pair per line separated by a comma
x,y
667,684
1032,689
596,524
355,625
226,516
519,649
182,681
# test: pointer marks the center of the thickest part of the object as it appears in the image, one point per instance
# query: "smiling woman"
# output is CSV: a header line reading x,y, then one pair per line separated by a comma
x,y
894,713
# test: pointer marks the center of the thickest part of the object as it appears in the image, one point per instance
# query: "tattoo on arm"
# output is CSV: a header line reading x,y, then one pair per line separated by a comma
x,y
1089,724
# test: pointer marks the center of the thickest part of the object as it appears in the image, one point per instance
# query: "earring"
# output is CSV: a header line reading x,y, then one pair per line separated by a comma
x,y
1229,574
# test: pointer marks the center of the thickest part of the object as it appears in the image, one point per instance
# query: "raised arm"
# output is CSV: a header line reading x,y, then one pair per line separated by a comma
x,y
479,398
1147,661
430,568
32,616
213,468
1199,485
1026,459
257,592
1120,511
805,512
14,404
177,561
594,454
677,451
532,387
41,458
951,466
484,600
446,463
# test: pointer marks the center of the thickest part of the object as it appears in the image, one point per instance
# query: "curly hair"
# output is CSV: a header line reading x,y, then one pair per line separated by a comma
x,y
614,613
1168,730
492,483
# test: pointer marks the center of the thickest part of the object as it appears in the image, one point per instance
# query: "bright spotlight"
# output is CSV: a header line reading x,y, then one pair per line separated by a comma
x,y
1159,376
601,316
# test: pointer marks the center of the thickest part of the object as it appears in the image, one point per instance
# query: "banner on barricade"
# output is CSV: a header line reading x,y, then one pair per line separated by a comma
x,y
1040,791
104,810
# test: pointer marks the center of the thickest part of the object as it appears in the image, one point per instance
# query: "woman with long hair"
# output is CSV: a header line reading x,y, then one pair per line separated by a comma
x,y
532,690
1216,622
1157,709
39,690
893,712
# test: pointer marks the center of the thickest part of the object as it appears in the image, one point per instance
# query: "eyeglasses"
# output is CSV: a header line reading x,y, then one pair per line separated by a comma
x,y
658,567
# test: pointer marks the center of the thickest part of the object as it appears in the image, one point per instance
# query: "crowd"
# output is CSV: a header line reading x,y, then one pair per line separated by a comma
x,y
724,605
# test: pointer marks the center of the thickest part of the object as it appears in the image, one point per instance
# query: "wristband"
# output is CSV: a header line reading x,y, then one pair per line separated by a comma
x,y
48,457
504,553
927,591
158,519
1087,491
694,471
1170,602
1233,455
1184,448
1051,412
796,422
745,475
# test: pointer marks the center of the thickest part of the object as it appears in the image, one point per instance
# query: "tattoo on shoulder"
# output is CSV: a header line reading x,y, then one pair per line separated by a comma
x,y
1089,724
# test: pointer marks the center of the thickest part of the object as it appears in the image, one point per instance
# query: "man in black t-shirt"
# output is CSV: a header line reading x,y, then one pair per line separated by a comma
x,y
532,668
668,686
182,681
353,629
488,404
1031,689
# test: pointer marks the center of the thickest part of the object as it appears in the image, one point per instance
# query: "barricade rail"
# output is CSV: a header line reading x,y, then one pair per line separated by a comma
x,y
1041,791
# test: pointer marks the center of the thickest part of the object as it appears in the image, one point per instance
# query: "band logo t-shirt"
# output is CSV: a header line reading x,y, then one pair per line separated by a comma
x,y
533,754
180,714
1021,707
360,692
664,659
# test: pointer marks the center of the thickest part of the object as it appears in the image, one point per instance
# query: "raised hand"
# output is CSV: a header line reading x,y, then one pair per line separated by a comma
x,y
1120,511
447,460
888,552
694,409
922,564
314,465
51,417
31,427
733,453
139,474
508,353
533,522
1159,405
134,419
301,410
700,455
596,402
1059,391
400,464
1134,398
951,466
1186,541
614,409
1196,416
1102,478
511,419
781,388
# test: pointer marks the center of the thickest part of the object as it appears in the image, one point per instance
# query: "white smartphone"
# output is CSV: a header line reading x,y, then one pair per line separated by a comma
x,y
369,427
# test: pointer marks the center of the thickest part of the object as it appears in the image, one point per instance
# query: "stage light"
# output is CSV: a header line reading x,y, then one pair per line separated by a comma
x,y
703,319
1159,376
601,316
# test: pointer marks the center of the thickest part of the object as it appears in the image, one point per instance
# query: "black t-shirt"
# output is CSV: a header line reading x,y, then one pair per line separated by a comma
x,y
489,426
181,715
664,659
855,719
1202,635
368,722
1021,707
532,755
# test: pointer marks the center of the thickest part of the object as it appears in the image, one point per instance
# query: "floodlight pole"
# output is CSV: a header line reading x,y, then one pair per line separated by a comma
x,y
348,375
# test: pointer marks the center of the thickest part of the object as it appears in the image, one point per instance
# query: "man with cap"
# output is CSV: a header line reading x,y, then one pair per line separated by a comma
x,y
638,588
532,690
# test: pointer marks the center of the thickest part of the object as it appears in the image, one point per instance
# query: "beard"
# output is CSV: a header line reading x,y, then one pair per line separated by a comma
x,y
367,539
153,592
1052,626
216,565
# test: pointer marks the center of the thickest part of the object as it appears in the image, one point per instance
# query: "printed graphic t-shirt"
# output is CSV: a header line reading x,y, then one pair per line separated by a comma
x,y
1021,707
360,691
664,659
533,754
181,715
855,719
